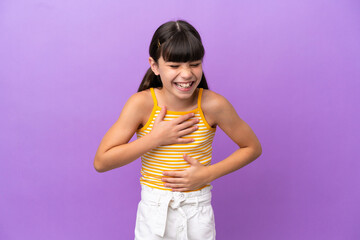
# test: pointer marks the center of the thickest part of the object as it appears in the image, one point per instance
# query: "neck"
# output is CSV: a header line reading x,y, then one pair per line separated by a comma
x,y
173,103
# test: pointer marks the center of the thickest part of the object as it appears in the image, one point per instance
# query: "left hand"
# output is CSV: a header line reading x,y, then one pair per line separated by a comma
x,y
192,178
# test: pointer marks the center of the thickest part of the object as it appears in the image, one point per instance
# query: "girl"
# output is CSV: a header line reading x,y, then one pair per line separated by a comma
x,y
175,116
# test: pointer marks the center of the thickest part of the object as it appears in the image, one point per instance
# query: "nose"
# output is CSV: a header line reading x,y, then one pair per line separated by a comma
x,y
186,72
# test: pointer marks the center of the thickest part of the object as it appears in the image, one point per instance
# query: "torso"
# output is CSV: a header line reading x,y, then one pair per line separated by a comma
x,y
207,105
170,157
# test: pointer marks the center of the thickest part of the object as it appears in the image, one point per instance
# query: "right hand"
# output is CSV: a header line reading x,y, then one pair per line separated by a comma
x,y
171,132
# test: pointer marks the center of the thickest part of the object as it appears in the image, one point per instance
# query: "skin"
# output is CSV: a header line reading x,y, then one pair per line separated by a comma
x,y
115,150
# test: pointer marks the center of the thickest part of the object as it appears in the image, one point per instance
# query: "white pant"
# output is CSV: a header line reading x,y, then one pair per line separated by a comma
x,y
175,215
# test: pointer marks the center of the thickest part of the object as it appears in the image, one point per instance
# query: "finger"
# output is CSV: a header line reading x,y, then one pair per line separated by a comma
x,y
187,124
174,185
185,140
174,173
188,130
183,118
172,180
161,115
189,159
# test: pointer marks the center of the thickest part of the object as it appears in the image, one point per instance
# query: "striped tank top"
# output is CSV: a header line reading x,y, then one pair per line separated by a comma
x,y
170,157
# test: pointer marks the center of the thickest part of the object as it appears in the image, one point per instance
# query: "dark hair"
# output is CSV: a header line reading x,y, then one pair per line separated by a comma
x,y
175,41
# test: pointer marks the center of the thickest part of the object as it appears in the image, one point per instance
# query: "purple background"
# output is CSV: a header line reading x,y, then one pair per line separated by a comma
x,y
290,68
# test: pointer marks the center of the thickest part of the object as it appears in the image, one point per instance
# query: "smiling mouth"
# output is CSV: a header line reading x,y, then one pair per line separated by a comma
x,y
184,85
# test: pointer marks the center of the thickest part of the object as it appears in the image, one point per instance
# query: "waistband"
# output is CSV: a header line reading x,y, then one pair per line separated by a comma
x,y
147,190
162,200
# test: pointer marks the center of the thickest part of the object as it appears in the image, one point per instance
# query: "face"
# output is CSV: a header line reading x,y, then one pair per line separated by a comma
x,y
178,78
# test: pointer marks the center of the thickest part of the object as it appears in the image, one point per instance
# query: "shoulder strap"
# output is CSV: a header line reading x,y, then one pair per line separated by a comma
x,y
153,96
199,97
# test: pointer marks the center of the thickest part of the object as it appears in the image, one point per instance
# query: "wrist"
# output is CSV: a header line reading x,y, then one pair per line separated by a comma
x,y
210,173
154,141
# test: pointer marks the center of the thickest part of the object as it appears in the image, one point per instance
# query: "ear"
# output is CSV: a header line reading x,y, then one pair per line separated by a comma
x,y
154,66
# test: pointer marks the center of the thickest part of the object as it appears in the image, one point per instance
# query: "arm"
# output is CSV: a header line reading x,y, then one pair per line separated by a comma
x,y
116,151
241,133
218,111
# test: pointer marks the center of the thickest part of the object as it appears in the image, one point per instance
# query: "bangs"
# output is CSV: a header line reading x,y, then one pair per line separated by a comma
x,y
182,47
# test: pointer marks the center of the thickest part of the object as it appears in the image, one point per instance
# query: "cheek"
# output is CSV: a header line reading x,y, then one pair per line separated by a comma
x,y
199,73
168,76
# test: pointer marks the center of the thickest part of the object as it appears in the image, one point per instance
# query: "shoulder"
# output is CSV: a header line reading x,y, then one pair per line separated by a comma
x,y
213,102
214,106
142,98
139,107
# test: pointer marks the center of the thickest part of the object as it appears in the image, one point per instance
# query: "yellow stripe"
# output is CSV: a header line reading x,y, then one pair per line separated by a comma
x,y
176,157
181,152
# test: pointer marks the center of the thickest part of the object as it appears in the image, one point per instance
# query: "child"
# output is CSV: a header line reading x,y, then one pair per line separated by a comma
x,y
174,140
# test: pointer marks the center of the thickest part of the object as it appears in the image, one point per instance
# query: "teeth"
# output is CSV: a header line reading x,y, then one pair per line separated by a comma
x,y
184,85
